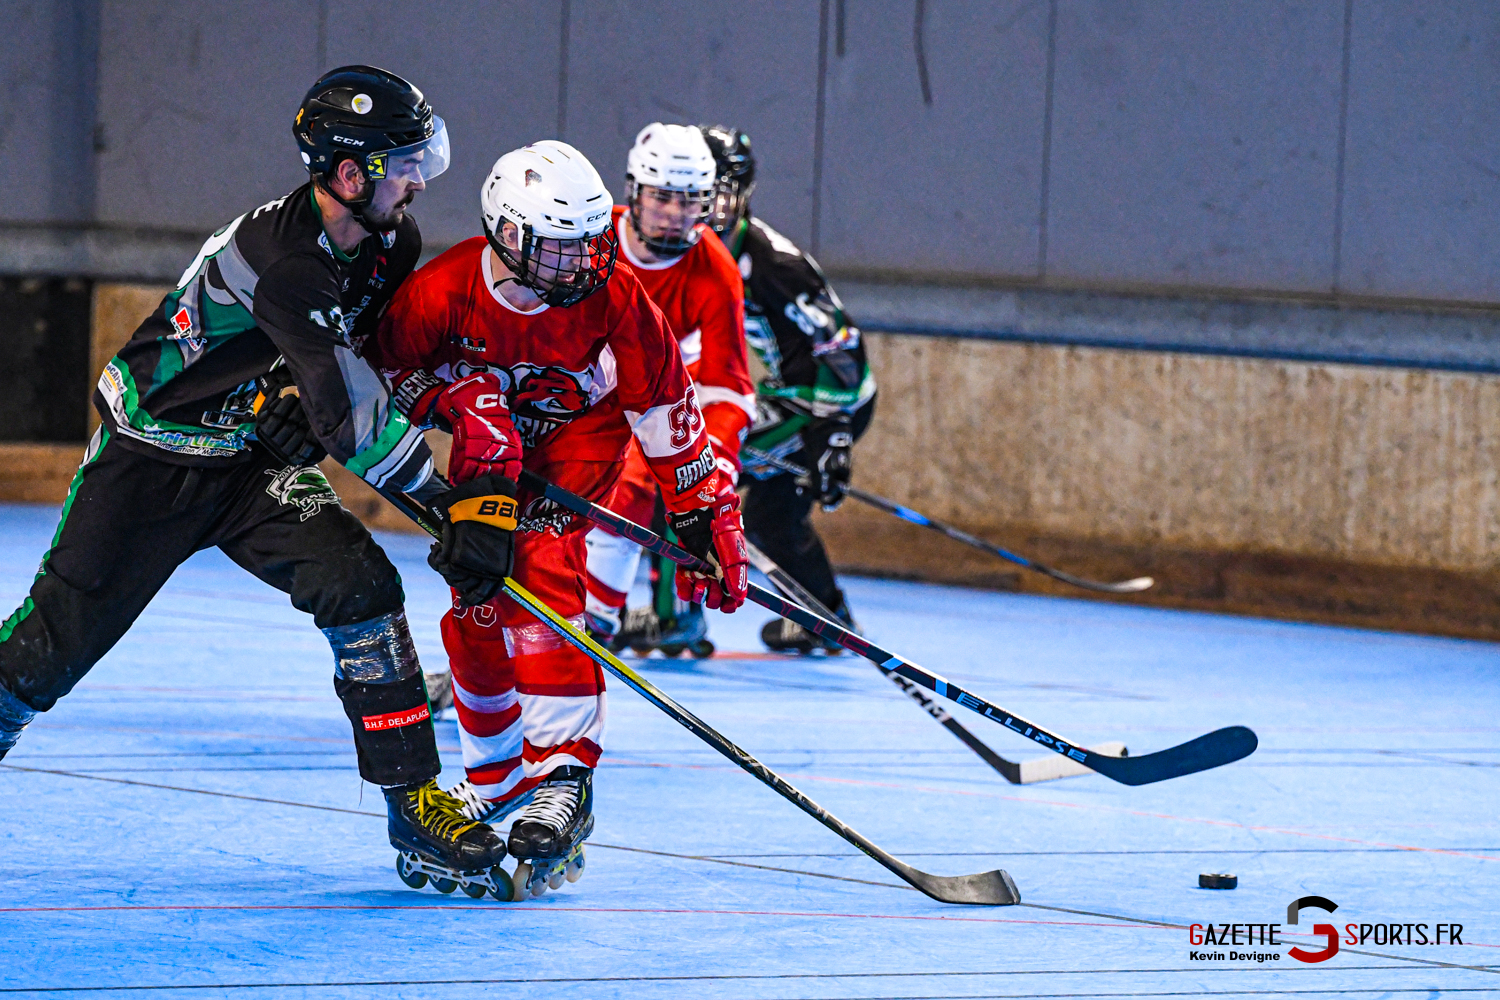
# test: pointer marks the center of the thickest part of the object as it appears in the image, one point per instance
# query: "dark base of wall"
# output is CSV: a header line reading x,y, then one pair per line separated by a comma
x,y
1406,599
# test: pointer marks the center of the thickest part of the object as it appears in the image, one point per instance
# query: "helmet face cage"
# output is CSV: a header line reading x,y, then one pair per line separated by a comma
x,y
562,272
731,203
700,208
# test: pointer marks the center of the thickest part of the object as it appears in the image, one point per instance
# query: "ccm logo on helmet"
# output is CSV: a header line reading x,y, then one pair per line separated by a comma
x,y
347,141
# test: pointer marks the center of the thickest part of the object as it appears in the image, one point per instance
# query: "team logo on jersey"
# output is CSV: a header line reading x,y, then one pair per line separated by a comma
x,y
549,392
184,331
303,487
543,515
543,397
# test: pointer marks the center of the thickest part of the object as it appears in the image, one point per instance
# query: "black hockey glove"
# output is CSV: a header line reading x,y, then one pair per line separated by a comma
x,y
281,425
477,551
829,446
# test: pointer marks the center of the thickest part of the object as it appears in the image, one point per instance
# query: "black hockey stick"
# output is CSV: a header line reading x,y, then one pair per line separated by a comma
x,y
1135,586
1024,772
1222,746
992,888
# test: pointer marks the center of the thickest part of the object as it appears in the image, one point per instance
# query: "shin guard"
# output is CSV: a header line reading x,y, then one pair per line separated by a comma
x,y
379,680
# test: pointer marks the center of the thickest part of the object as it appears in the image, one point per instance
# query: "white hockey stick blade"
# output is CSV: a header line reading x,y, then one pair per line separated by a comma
x,y
1055,766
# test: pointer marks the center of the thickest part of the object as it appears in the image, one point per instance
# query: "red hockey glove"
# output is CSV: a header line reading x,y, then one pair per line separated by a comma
x,y
714,534
485,441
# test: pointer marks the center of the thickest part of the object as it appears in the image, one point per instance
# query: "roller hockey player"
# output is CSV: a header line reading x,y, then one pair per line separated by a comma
x,y
817,396
689,275
270,312
532,347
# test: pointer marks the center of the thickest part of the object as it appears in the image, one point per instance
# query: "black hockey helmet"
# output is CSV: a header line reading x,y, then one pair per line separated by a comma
x,y
735,179
375,118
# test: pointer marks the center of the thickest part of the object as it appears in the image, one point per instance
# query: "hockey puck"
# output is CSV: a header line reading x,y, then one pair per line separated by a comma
x,y
1217,880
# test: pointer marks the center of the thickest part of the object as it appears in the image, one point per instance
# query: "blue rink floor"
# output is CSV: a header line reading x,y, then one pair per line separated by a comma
x,y
189,822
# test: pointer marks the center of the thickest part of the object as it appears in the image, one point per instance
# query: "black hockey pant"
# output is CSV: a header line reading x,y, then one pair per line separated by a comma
x,y
778,519
130,520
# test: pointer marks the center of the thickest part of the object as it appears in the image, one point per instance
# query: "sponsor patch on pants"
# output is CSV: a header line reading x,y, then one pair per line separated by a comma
x,y
395,720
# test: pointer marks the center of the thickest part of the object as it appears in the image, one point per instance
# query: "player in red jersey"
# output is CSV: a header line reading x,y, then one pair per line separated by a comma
x,y
535,349
697,285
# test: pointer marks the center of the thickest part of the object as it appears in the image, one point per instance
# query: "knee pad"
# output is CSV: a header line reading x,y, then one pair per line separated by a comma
x,y
378,651
15,715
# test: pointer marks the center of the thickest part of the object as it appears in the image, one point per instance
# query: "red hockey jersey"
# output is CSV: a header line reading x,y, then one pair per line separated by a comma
x,y
702,296
578,380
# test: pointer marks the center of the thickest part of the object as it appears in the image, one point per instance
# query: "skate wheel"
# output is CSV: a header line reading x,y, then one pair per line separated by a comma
x,y
673,651
539,888
555,880
414,879
505,889
519,881
575,867
474,890
702,649
444,885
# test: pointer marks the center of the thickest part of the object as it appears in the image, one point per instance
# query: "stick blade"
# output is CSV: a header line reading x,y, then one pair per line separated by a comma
x,y
1135,586
1055,766
995,888
1215,749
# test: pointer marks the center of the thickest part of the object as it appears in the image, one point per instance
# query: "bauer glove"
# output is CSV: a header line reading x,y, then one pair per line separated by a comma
x,y
281,425
485,440
477,551
715,535
829,446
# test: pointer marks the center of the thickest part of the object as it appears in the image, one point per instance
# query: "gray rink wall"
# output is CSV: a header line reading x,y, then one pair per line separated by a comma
x,y
1306,147
1190,208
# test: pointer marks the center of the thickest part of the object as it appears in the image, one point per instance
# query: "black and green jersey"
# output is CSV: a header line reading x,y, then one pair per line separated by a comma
x,y
794,322
270,285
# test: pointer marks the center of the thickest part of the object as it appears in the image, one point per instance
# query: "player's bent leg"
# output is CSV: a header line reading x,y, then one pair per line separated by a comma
x,y
116,544
294,535
778,520
561,695
612,565
613,561
489,716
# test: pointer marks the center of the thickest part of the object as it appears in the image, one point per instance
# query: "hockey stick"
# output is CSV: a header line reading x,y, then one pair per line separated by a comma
x,y
1222,746
992,888
1024,772
1135,586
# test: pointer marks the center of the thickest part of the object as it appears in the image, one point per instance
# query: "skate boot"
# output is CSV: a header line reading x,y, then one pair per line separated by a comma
x,y
439,691
15,715
436,841
644,630
785,636
548,834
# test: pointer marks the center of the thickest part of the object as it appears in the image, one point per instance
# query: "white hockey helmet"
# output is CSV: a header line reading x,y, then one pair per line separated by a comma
x,y
672,158
565,247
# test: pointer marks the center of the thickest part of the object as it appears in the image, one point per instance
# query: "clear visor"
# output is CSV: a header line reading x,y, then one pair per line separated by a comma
x,y
421,161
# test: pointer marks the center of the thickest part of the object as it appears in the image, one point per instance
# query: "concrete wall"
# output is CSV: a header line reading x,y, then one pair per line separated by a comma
x,y
1329,492
1315,147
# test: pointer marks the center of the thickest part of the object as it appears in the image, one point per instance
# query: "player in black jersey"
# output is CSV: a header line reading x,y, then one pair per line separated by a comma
x,y
273,309
817,395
